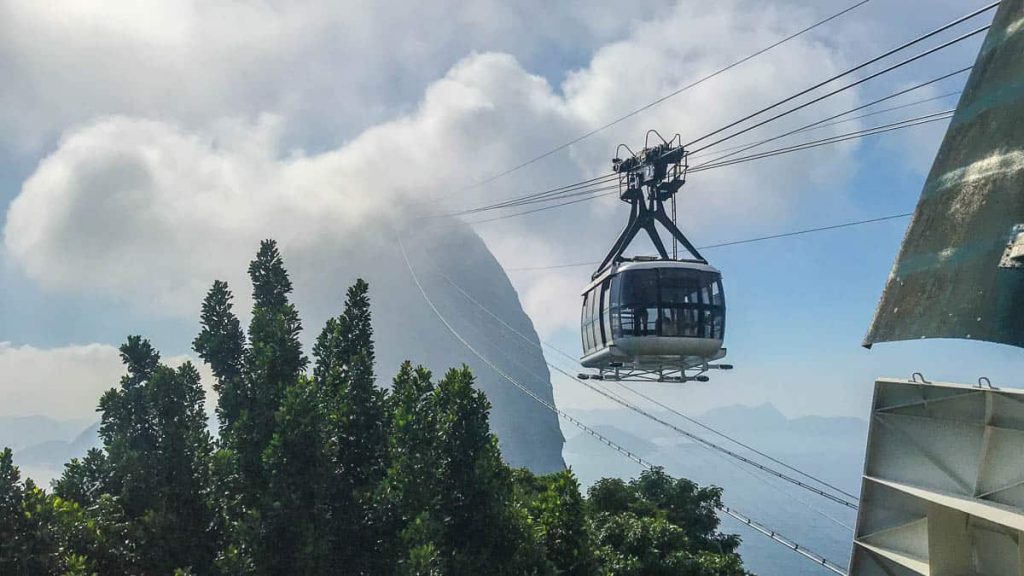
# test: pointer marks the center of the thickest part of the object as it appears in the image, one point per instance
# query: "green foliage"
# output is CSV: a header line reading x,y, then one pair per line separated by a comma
x,y
328,473
657,524
559,515
157,465
221,344
355,434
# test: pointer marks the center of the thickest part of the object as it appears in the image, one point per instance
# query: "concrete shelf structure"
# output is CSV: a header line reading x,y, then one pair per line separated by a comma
x,y
943,487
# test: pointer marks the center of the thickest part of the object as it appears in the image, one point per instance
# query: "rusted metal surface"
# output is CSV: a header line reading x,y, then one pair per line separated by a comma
x,y
960,271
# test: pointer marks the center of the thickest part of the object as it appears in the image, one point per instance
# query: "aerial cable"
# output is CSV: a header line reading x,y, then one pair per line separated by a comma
x,y
561,195
604,178
826,121
581,187
810,128
737,242
847,72
613,189
692,420
881,129
607,190
626,404
757,526
664,98
529,371
871,76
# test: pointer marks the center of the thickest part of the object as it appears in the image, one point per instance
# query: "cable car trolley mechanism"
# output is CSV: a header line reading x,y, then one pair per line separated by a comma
x,y
653,318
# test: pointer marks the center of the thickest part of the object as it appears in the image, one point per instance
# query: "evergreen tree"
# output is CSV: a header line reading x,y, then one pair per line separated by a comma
x,y
482,531
12,526
295,513
85,479
158,455
221,343
660,525
355,419
409,494
274,363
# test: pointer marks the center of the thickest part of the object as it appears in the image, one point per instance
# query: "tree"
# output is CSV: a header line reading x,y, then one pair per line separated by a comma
x,y
295,512
657,524
85,479
158,456
12,528
558,512
221,343
355,418
408,494
689,506
274,363
482,530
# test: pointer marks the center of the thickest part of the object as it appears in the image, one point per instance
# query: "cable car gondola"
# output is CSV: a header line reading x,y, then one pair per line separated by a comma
x,y
653,318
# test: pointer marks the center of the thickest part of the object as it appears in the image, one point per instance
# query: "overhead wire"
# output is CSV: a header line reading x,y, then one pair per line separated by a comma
x,y
827,121
590,185
867,78
849,71
593,194
672,94
925,119
735,514
737,242
626,404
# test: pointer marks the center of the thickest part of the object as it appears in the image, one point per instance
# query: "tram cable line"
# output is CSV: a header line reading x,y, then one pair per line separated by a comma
x,y
810,128
826,121
626,404
738,242
557,192
668,96
731,512
620,399
598,180
608,177
867,78
881,129
849,71
613,189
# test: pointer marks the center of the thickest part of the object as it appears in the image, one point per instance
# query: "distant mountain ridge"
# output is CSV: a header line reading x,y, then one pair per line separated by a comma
x,y
18,432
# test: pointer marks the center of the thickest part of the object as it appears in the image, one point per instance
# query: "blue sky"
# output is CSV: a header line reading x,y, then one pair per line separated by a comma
x,y
258,121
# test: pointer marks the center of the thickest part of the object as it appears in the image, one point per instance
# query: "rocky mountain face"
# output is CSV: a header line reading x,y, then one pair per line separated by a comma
x,y
406,327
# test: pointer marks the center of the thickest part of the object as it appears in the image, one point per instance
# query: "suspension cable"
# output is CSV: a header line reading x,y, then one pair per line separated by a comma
x,y
926,119
826,121
591,185
867,78
847,72
672,94
872,131
737,242
625,403
732,512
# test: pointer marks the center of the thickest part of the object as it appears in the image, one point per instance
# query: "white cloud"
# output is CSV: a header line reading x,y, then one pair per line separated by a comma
x,y
328,67
64,382
151,211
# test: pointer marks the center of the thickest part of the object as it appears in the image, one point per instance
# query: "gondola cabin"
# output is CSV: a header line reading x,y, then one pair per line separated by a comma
x,y
653,315
657,318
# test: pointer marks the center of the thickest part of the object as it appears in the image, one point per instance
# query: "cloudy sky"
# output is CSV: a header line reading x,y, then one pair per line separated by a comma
x,y
146,147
